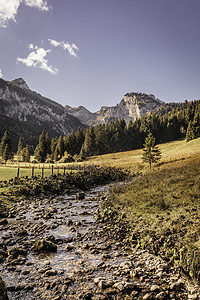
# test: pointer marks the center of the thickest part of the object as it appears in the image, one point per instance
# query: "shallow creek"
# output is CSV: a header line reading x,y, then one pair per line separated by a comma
x,y
87,263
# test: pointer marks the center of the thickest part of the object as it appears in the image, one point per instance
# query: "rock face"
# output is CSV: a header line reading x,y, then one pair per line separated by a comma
x,y
33,113
131,107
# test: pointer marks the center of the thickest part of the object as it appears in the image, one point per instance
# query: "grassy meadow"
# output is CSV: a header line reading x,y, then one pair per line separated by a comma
x,y
172,153
162,207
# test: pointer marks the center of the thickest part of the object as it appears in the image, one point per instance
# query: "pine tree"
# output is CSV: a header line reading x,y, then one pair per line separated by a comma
x,y
6,153
60,149
26,154
5,147
21,144
151,153
20,150
41,149
53,146
79,140
48,144
90,142
190,134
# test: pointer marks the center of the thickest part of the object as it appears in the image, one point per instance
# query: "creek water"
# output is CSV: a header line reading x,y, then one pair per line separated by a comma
x,y
87,264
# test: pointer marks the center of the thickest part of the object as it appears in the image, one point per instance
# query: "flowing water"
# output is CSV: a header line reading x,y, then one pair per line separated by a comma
x,y
87,263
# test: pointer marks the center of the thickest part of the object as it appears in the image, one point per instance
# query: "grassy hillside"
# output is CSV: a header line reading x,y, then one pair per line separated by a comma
x,y
161,208
171,152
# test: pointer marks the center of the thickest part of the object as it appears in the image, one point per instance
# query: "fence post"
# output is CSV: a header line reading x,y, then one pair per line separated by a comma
x,y
18,172
64,170
32,171
42,172
52,170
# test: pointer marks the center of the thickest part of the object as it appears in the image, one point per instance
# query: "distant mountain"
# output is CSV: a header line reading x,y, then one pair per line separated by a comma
x,y
131,107
26,113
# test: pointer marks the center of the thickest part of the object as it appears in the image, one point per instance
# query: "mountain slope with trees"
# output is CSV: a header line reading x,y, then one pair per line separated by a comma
x,y
26,113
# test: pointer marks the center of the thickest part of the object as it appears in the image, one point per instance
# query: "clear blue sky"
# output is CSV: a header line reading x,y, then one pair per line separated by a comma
x,y
92,52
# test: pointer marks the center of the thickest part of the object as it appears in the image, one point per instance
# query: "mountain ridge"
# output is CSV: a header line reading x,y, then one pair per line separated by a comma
x,y
35,113
132,106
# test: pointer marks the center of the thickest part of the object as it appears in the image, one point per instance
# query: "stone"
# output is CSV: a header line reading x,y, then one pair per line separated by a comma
x,y
155,288
104,284
44,246
177,286
147,297
3,222
50,273
3,290
69,222
119,286
161,296
80,196
69,247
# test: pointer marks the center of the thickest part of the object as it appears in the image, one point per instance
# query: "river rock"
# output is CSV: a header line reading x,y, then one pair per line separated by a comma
x,y
44,246
176,286
79,196
3,222
3,290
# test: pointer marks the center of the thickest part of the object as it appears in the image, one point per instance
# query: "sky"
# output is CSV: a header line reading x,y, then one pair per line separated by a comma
x,y
92,52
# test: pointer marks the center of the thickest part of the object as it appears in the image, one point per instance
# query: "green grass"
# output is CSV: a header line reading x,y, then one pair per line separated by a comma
x,y
6,173
130,160
162,207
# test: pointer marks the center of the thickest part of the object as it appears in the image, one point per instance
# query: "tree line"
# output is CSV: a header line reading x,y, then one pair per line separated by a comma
x,y
170,122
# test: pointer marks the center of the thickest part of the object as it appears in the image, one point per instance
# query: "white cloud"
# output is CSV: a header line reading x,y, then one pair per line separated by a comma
x,y
71,48
37,59
1,75
9,9
41,4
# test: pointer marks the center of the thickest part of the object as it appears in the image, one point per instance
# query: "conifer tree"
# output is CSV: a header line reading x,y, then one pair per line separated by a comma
x,y
79,140
21,144
90,142
41,149
151,153
48,144
190,134
20,150
53,146
60,149
5,147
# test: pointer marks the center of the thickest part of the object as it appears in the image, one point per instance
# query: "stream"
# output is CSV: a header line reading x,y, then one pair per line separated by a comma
x,y
87,263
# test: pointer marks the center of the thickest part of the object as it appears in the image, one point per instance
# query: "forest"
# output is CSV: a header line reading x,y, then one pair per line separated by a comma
x,y
170,122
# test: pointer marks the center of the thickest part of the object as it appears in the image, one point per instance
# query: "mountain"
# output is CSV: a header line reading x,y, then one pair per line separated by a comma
x,y
26,113
131,107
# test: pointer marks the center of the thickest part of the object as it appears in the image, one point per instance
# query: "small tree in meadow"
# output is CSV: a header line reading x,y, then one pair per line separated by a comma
x,y
151,153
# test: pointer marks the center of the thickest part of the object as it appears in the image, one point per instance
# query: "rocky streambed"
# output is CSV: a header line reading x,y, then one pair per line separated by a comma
x,y
54,249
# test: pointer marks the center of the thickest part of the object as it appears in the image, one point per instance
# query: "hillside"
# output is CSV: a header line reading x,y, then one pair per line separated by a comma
x,y
25,113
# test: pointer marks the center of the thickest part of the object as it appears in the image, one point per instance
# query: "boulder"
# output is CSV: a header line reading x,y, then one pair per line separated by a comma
x,y
44,246
3,290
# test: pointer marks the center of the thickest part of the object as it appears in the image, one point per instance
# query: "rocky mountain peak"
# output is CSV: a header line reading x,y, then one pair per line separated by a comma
x,y
20,82
132,106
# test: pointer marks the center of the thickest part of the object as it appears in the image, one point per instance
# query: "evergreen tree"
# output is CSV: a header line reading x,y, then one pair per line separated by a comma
x,y
48,144
151,153
6,153
20,150
5,147
59,150
26,154
21,144
190,134
41,149
90,142
79,140
53,146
